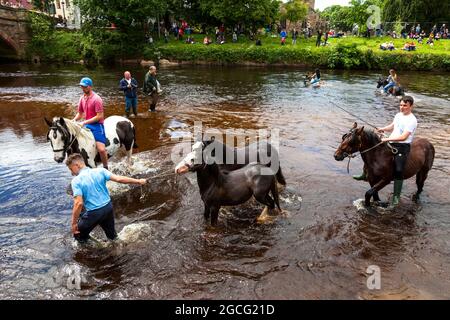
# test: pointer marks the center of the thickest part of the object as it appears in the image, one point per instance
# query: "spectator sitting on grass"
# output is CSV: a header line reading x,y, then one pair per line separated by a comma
x,y
409,46
430,40
206,41
387,46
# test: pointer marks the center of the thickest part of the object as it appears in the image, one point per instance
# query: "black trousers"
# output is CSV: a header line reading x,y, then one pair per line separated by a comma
x,y
154,98
88,220
400,159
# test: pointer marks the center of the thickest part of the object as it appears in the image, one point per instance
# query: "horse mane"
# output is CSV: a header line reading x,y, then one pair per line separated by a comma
x,y
78,131
372,137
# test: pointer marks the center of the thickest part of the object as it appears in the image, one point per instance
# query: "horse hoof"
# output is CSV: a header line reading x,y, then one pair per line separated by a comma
x,y
382,204
415,198
264,217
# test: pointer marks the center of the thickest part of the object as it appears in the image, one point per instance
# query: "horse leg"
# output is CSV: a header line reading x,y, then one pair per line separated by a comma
x,y
377,187
274,190
268,202
421,176
129,159
206,212
214,215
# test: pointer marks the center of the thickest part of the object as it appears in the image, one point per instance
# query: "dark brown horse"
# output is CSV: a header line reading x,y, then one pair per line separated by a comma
x,y
229,188
378,160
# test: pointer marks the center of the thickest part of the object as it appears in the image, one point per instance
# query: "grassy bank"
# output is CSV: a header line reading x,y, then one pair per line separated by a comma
x,y
344,53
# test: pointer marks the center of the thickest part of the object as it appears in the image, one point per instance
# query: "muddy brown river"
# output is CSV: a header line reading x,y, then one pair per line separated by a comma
x,y
320,248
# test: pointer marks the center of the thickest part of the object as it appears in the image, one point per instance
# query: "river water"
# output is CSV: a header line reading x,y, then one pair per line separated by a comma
x,y
320,248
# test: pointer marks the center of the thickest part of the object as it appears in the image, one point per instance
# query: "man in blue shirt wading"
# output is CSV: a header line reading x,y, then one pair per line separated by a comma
x,y
89,189
129,87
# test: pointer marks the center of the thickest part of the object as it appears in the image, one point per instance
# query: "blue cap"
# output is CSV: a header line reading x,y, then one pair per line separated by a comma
x,y
86,82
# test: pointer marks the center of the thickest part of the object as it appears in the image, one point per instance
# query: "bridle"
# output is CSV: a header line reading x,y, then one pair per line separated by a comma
x,y
64,131
351,155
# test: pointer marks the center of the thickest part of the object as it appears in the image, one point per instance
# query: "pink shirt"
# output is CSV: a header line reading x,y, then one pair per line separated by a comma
x,y
90,106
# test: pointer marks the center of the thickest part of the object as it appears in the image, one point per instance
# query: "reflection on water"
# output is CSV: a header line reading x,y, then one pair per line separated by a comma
x,y
320,248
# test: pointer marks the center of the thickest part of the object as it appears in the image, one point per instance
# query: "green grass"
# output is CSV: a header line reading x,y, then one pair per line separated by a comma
x,y
348,53
340,53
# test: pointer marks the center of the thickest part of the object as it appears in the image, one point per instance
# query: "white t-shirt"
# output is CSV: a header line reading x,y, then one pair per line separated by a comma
x,y
404,123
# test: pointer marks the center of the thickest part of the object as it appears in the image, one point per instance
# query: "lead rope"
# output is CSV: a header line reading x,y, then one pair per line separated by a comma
x,y
161,175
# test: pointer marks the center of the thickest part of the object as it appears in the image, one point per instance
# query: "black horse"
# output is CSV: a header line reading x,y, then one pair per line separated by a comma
x,y
243,156
395,91
219,187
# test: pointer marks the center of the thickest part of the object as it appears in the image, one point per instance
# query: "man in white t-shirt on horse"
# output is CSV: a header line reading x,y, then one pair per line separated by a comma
x,y
403,128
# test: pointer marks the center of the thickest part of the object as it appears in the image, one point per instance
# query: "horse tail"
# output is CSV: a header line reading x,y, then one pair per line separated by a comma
x,y
274,190
135,146
280,177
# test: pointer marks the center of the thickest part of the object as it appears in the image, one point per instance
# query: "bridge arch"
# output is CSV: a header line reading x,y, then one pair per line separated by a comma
x,y
14,32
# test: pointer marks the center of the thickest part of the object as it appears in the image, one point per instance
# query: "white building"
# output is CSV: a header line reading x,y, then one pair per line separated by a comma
x,y
67,11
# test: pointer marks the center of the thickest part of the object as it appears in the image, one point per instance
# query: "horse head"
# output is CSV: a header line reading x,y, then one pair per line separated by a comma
x,y
351,143
202,154
193,160
381,82
59,137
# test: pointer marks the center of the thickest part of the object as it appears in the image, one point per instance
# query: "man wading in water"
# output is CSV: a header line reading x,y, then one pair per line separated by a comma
x,y
90,107
89,190
403,128
152,88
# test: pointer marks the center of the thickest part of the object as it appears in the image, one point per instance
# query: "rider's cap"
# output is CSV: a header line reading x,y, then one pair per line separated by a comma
x,y
86,82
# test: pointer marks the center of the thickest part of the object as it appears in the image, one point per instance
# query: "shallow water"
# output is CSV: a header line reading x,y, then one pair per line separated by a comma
x,y
320,248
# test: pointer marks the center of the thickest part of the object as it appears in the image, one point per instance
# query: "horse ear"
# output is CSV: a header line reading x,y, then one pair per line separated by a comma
x,y
360,130
355,125
61,120
48,122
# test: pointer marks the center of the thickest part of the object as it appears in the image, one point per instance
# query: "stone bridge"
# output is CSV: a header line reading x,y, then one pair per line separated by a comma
x,y
14,33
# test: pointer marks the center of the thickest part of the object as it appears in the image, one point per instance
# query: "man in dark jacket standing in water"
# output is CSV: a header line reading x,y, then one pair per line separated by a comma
x,y
129,87
152,88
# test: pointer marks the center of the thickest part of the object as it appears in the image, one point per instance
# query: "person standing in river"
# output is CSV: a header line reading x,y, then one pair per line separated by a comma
x,y
152,88
129,87
89,190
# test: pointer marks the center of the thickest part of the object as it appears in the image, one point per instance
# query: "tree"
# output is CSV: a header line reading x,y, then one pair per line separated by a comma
x,y
417,11
295,10
42,5
345,17
255,13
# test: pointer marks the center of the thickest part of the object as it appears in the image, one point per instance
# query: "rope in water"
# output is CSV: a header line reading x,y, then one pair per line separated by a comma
x,y
353,115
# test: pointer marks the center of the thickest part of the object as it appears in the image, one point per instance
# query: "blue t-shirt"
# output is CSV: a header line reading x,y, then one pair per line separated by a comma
x,y
91,185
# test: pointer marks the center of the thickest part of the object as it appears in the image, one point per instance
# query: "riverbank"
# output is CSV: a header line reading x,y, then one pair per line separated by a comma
x,y
342,53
